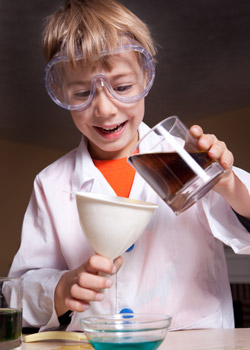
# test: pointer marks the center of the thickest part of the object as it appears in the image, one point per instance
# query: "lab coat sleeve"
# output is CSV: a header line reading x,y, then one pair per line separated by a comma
x,y
39,261
223,222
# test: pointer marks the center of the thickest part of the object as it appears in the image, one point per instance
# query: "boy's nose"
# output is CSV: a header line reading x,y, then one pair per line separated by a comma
x,y
103,103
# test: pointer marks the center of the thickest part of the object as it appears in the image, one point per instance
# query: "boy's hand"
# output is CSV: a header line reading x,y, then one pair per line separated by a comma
x,y
77,288
217,150
229,186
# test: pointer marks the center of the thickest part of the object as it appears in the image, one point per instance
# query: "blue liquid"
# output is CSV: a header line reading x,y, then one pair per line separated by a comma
x,y
114,344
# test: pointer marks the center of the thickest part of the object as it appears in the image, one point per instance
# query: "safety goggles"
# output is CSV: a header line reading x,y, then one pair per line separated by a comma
x,y
126,74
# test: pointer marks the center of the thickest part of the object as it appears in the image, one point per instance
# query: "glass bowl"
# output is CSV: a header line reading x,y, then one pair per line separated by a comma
x,y
126,331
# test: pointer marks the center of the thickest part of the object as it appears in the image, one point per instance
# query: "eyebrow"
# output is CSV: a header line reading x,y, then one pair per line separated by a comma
x,y
82,82
85,82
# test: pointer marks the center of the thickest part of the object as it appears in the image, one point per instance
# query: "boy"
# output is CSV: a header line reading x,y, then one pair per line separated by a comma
x,y
101,68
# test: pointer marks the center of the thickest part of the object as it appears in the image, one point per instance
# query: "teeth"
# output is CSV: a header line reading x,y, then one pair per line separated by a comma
x,y
109,131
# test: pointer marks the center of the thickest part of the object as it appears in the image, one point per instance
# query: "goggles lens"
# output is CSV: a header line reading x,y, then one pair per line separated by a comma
x,y
127,75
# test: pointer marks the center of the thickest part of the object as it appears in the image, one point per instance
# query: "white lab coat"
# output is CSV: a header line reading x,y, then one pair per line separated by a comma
x,y
177,266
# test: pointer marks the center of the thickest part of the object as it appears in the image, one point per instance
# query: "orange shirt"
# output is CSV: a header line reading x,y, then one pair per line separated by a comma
x,y
118,173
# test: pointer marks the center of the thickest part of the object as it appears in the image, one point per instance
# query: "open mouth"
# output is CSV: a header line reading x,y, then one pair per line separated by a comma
x,y
112,130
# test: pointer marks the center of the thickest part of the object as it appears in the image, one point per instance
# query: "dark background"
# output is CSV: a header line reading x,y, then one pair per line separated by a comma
x,y
203,65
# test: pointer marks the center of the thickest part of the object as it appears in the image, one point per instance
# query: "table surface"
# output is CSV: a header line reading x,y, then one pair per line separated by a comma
x,y
210,339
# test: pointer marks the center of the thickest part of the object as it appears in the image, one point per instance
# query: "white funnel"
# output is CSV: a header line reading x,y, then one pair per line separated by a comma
x,y
112,224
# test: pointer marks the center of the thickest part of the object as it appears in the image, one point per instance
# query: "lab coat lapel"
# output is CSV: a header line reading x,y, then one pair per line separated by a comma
x,y
86,176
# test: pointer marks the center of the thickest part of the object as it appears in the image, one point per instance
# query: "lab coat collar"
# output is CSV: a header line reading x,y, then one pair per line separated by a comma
x,y
81,157
85,171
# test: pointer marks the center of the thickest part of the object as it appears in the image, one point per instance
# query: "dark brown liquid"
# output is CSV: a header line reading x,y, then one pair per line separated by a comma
x,y
167,172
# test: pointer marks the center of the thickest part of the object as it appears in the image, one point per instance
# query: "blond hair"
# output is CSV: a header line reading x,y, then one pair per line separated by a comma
x,y
92,26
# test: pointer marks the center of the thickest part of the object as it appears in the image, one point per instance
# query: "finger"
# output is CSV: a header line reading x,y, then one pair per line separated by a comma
x,y
95,282
227,160
98,263
217,150
196,131
84,294
206,141
76,305
118,263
